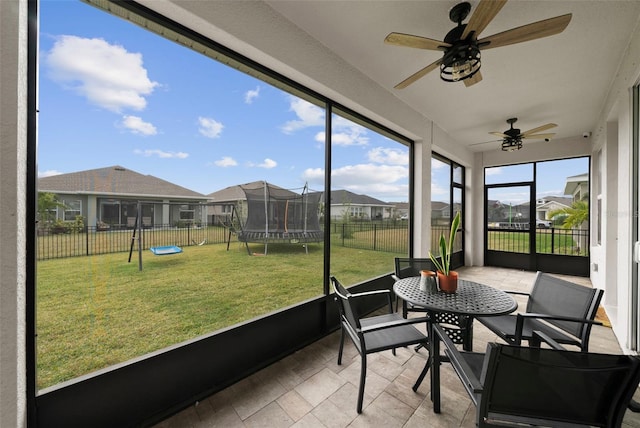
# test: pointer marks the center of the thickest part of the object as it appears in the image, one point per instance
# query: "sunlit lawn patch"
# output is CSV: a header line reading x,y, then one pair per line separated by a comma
x,y
96,311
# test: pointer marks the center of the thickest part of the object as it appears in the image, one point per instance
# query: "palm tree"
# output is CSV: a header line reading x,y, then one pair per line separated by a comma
x,y
573,216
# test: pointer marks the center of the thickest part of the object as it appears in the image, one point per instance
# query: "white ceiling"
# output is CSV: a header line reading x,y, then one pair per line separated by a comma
x,y
562,79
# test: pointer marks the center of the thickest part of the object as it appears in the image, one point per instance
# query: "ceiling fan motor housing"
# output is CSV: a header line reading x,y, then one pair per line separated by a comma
x,y
462,59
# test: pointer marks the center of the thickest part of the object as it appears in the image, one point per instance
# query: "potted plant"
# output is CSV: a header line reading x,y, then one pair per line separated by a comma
x,y
447,279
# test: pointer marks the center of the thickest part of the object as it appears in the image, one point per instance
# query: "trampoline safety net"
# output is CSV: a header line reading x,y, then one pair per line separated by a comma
x,y
275,214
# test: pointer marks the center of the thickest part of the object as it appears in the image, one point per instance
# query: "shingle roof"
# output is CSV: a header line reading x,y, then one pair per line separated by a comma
x,y
346,197
114,180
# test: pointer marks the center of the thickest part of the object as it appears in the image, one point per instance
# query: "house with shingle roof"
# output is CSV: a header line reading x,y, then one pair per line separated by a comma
x,y
549,204
363,207
111,196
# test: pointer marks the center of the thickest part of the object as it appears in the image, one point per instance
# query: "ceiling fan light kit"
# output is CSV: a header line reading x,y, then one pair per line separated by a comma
x,y
461,46
461,63
511,144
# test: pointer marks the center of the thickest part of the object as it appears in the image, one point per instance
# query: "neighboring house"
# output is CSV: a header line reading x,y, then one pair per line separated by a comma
x,y
440,210
577,186
344,202
549,204
110,196
401,210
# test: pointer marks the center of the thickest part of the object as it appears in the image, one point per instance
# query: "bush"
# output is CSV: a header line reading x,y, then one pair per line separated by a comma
x,y
59,226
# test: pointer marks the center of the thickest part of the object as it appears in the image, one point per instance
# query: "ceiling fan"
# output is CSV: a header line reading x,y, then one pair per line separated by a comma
x,y
461,46
512,137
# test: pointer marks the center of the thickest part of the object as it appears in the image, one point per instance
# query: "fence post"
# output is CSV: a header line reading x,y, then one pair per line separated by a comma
x,y
375,236
86,232
553,235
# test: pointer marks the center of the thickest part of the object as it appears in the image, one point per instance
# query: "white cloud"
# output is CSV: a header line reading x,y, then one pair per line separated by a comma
x,y
225,162
107,75
437,190
210,128
251,94
308,115
49,173
437,164
138,126
345,132
493,171
161,154
314,176
268,164
388,156
380,181
351,137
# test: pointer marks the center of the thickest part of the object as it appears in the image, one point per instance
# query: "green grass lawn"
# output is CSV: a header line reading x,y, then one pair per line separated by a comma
x,y
563,242
93,312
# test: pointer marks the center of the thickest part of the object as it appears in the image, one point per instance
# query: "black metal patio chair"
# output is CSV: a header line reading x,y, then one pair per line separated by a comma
x,y
459,327
375,333
530,386
555,307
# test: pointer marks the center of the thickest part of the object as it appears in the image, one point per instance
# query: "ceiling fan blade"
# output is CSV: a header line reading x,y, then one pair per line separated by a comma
x,y
538,136
485,142
536,30
473,79
482,16
411,41
539,129
418,75
499,134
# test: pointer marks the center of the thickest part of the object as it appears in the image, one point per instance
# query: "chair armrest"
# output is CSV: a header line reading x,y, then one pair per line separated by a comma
x,y
388,293
370,293
557,318
540,337
548,317
464,371
390,324
395,277
520,293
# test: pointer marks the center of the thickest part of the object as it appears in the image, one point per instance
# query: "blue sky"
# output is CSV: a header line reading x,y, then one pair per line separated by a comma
x,y
112,93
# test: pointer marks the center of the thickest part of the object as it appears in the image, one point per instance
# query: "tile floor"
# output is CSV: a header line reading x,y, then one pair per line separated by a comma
x,y
309,389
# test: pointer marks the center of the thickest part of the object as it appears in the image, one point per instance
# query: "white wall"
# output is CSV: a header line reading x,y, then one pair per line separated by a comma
x,y
615,257
13,126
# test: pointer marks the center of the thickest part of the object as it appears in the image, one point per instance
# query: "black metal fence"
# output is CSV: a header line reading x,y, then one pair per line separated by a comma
x,y
87,241
92,241
377,236
548,241
391,237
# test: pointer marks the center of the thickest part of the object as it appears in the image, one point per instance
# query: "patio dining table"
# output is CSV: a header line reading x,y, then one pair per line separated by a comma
x,y
471,300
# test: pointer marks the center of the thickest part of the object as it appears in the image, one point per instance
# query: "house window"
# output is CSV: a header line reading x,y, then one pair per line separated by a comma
x,y
187,212
72,209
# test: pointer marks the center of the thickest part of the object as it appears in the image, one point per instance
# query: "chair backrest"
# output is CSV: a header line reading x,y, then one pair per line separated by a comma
x,y
555,296
348,313
524,383
406,267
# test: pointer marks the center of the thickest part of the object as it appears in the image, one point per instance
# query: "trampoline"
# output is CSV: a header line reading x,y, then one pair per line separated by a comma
x,y
277,215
